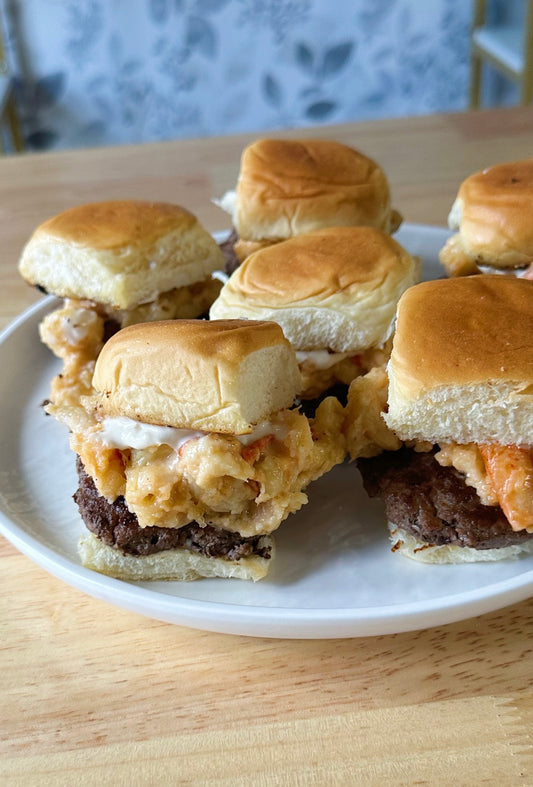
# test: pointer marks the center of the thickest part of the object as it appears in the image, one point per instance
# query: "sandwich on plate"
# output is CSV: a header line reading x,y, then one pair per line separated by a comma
x,y
288,187
114,264
492,219
460,399
190,453
334,292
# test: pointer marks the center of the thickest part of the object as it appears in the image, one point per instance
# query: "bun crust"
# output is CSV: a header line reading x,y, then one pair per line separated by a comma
x,y
121,253
288,187
407,545
222,376
334,288
461,367
179,565
493,214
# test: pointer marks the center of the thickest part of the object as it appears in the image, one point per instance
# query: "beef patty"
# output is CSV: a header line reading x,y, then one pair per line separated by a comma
x,y
115,525
433,503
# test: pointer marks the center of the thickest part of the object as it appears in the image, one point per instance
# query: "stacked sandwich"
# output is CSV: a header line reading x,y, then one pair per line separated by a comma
x,y
445,436
114,264
458,486
191,441
334,292
492,219
197,438
190,452
289,187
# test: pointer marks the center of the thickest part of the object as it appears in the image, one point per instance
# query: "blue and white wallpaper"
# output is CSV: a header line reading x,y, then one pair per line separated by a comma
x,y
91,72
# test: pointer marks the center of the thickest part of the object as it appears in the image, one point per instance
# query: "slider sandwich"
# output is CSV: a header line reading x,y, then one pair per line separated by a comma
x,y
114,264
492,217
460,489
190,452
333,291
289,187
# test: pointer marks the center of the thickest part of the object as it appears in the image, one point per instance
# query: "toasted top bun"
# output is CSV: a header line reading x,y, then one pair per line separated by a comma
x,y
222,376
493,215
335,288
287,187
121,253
461,367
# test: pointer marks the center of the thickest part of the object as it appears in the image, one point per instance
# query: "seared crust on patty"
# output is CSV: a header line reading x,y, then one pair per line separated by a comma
x,y
115,525
433,503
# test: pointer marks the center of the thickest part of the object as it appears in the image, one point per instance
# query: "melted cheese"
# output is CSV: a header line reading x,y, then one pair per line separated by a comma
x,y
467,460
214,479
76,325
501,475
75,331
321,369
367,434
75,334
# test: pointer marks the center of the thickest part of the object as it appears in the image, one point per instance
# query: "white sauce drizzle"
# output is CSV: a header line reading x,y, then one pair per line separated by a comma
x,y
227,202
220,276
122,432
518,272
320,359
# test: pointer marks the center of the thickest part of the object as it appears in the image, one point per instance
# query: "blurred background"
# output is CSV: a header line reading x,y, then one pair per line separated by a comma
x,y
84,73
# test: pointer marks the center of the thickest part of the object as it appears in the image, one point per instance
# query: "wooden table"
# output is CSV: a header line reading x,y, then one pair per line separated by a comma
x,y
92,694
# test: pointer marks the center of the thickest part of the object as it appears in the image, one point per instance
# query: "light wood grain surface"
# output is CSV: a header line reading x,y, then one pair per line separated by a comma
x,y
92,694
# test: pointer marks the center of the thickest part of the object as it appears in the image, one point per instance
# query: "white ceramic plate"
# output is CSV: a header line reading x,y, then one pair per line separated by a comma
x,y
334,574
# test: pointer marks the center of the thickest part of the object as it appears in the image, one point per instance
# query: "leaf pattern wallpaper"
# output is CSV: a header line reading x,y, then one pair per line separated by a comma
x,y
92,72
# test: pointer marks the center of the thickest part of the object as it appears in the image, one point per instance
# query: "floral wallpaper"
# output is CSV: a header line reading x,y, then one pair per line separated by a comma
x,y
91,72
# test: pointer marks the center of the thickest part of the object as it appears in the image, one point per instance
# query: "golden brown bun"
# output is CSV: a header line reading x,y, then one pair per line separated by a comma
x,y
288,187
179,565
334,288
243,248
120,253
221,376
493,215
461,367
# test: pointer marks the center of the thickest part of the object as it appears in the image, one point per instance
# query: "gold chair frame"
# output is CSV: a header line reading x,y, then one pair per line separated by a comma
x,y
480,54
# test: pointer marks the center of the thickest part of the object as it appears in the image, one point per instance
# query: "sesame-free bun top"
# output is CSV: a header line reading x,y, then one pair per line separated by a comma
x,y
287,187
493,213
222,376
461,367
335,288
121,253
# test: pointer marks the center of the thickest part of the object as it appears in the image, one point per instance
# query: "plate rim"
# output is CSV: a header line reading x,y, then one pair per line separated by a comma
x,y
271,621
262,621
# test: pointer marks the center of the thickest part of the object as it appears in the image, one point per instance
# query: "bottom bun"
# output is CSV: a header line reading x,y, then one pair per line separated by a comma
x,y
411,547
173,564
